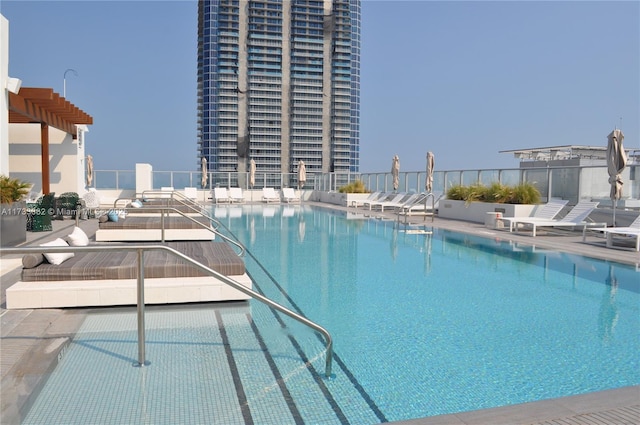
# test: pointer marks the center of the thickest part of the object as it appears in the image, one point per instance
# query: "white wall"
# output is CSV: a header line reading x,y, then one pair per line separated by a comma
x,y
66,158
4,101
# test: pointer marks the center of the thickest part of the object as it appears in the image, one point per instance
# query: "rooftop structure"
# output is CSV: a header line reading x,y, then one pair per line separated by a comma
x,y
567,152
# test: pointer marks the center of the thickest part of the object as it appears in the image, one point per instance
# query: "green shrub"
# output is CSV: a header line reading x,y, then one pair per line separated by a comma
x,y
525,193
12,190
356,186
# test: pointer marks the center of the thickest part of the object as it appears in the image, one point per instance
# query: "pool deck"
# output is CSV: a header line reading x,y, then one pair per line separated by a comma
x,y
31,340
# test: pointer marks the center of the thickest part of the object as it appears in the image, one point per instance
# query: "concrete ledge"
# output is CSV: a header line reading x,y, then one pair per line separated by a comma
x,y
138,235
88,293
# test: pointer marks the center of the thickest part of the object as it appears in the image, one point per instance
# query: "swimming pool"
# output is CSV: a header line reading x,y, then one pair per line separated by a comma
x,y
423,325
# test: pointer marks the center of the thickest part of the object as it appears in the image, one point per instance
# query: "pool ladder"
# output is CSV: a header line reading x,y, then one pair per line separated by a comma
x,y
423,198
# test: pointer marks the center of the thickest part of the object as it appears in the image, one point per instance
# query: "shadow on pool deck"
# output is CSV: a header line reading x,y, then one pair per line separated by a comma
x,y
32,339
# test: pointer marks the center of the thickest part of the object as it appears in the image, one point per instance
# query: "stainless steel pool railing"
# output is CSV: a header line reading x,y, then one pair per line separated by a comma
x,y
422,199
166,210
194,206
140,250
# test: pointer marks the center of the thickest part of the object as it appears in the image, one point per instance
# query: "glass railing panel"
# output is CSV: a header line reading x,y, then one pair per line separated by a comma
x,y
469,177
106,179
488,177
162,179
182,179
510,177
452,178
539,178
126,180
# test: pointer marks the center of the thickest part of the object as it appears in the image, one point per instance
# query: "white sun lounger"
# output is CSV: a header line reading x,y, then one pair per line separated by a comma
x,y
389,202
417,205
545,212
631,231
289,195
372,197
407,199
575,218
220,195
235,195
269,195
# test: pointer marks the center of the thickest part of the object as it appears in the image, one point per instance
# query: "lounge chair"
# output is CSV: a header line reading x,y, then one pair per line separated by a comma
x,y
373,196
269,195
408,199
191,193
545,212
391,200
631,231
574,218
235,195
289,195
416,206
110,278
220,195
168,190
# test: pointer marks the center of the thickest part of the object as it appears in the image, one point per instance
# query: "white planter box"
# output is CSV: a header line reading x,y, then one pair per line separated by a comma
x,y
343,199
477,211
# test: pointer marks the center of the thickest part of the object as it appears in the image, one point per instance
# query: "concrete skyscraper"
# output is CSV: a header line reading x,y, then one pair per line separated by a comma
x,y
279,82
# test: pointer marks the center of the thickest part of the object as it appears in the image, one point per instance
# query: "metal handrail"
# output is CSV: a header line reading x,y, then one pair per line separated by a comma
x,y
423,197
175,195
140,249
213,230
195,206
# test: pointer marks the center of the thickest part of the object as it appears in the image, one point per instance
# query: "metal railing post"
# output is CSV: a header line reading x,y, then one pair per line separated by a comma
x,y
162,225
141,331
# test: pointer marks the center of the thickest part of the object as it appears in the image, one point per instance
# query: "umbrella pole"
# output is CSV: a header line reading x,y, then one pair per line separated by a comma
x,y
615,201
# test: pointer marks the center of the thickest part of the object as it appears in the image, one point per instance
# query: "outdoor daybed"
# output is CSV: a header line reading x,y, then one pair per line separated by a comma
x,y
134,228
109,278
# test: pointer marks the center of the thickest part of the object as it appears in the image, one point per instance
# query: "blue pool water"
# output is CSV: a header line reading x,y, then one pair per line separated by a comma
x,y
441,323
423,324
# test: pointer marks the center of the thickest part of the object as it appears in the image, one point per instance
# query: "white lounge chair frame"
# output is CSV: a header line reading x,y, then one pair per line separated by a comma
x,y
386,202
269,195
235,195
374,196
289,195
574,218
220,195
545,212
633,231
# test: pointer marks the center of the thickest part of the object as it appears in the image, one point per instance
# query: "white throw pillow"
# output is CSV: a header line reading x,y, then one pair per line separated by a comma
x,y
57,258
78,237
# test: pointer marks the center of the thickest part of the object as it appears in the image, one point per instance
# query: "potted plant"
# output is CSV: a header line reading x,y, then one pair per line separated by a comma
x,y
355,190
13,215
473,202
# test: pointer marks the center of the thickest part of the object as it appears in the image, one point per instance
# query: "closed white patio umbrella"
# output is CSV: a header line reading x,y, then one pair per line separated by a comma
x,y
428,184
395,171
302,174
616,162
204,171
252,173
252,176
89,170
